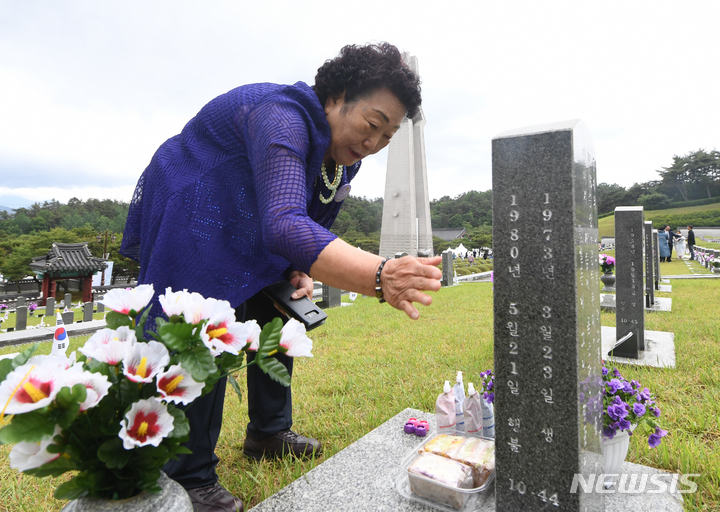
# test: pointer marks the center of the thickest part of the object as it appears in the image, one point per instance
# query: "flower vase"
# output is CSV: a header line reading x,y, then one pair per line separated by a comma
x,y
614,450
608,279
172,498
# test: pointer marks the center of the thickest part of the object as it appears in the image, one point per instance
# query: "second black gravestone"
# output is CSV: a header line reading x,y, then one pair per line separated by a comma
x,y
649,265
630,307
546,318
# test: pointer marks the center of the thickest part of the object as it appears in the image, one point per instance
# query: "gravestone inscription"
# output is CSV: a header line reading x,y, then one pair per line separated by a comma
x,y
630,307
546,318
649,266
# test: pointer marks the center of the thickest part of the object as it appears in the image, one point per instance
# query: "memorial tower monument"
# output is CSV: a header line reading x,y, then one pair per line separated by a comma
x,y
406,224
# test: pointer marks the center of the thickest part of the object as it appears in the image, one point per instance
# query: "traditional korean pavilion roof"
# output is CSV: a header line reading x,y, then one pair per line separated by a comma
x,y
67,258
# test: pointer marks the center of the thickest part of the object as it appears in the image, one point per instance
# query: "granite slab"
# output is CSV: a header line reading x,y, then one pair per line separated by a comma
x,y
362,477
607,302
659,348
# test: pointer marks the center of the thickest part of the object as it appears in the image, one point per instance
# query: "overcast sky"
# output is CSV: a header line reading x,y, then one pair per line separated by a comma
x,y
89,90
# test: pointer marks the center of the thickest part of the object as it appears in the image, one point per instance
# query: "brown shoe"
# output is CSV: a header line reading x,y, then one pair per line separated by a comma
x,y
214,498
285,442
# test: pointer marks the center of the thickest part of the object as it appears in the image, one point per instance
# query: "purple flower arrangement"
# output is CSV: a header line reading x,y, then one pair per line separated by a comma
x,y
32,306
488,386
627,404
3,307
607,263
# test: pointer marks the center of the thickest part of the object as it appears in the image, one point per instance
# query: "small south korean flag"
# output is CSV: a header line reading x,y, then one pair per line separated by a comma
x,y
60,340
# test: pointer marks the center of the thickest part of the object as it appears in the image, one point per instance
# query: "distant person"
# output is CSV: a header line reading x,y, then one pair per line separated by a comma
x,y
680,244
691,242
485,254
471,260
664,247
672,236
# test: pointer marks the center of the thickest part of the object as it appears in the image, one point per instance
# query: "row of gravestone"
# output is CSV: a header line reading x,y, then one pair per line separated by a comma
x,y
22,311
707,257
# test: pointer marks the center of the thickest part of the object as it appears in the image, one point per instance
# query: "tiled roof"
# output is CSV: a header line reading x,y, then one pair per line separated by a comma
x,y
67,258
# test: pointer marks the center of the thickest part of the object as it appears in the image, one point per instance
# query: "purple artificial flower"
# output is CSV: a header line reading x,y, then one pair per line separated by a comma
x,y
624,425
635,384
617,412
489,397
655,411
627,388
614,385
638,409
655,439
609,432
490,385
610,260
616,373
645,394
605,371
618,401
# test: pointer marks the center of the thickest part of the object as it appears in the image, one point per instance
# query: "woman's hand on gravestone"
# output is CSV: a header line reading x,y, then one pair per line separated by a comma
x,y
403,281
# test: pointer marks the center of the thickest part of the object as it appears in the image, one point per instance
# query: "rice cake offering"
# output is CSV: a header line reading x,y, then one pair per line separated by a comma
x,y
444,445
438,478
478,454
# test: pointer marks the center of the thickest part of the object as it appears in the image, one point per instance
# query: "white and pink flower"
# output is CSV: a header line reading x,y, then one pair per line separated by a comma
x,y
173,303
147,422
129,299
294,341
145,360
30,387
222,333
108,345
26,455
96,385
177,385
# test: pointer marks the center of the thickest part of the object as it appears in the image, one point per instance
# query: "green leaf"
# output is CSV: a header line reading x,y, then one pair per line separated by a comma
x,y
24,356
32,427
230,362
54,468
176,336
115,320
64,417
140,324
181,425
275,370
270,337
236,387
112,453
129,391
72,489
6,366
199,362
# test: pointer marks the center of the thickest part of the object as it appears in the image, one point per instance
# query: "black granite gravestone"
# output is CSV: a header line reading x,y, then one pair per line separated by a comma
x,y
629,301
331,297
649,266
547,318
656,257
447,273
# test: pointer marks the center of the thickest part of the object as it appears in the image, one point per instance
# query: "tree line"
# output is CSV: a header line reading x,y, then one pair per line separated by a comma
x,y
29,232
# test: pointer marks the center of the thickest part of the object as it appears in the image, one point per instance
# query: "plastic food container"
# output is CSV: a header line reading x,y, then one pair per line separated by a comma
x,y
444,497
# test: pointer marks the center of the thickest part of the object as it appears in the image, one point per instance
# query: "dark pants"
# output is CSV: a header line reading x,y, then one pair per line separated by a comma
x,y
691,248
670,246
269,408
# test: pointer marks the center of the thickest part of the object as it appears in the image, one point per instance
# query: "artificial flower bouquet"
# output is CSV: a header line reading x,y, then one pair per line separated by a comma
x,y
487,386
32,307
626,405
113,414
607,263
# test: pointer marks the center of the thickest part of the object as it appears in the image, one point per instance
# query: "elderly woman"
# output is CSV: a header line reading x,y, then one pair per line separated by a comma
x,y
663,246
244,197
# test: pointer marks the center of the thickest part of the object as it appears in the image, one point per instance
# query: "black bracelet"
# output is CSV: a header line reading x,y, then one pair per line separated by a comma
x,y
378,286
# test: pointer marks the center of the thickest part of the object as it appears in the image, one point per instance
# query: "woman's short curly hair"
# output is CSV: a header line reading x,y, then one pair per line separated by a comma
x,y
360,70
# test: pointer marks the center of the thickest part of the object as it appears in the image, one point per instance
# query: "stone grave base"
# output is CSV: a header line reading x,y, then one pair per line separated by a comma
x,y
665,288
362,478
607,302
659,349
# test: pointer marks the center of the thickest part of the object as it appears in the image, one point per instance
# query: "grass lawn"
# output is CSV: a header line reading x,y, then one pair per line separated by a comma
x,y
370,362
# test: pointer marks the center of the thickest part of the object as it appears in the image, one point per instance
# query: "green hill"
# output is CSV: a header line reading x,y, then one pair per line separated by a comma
x,y
704,215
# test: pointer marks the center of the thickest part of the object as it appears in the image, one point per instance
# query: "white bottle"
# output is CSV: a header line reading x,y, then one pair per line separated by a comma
x,y
488,419
473,411
459,390
445,410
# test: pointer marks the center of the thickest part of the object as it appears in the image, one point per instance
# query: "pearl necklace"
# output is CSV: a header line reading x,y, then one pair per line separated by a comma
x,y
339,169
